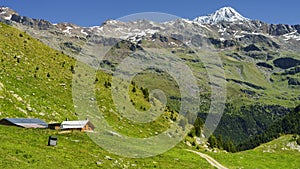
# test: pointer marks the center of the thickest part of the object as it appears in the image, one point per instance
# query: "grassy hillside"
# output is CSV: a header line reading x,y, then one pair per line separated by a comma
x,y
27,148
279,153
35,79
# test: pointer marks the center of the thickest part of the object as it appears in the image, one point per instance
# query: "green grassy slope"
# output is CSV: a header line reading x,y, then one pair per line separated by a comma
x,y
27,148
275,154
35,79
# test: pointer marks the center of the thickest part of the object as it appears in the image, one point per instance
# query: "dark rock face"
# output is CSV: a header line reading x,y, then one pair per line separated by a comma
x,y
248,92
74,48
280,29
160,37
252,39
16,18
251,47
177,37
27,21
197,40
236,56
266,65
286,63
40,24
222,44
216,42
103,40
229,43
292,71
44,25
293,81
297,27
246,83
134,47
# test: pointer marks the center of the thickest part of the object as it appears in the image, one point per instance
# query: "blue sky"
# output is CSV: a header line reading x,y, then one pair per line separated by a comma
x,y
94,12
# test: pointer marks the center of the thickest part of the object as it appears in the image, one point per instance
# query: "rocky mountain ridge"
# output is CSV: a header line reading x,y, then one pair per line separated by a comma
x,y
224,24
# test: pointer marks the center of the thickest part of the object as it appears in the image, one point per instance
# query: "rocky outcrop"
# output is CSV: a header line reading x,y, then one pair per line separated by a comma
x,y
280,29
39,24
222,44
160,37
261,39
297,27
286,63
251,47
265,65
72,46
291,71
293,81
246,83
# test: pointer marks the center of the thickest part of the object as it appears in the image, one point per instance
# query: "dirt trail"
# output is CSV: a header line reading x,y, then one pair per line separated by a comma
x,y
209,159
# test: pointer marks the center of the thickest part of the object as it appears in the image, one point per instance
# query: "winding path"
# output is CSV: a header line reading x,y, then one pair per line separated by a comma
x,y
209,159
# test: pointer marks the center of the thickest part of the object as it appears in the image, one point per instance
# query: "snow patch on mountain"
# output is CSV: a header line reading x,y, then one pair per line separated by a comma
x,y
292,35
3,12
68,28
6,13
83,32
8,17
226,14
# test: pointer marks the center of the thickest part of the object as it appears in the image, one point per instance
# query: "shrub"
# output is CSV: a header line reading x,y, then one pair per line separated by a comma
x,y
298,141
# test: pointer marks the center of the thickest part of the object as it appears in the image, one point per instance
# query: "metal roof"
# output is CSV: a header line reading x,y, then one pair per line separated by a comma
x,y
28,122
73,124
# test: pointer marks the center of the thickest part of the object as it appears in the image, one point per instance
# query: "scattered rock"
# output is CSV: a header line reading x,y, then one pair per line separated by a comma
x,y
76,141
188,143
18,98
114,133
108,158
198,141
1,86
28,107
99,162
293,146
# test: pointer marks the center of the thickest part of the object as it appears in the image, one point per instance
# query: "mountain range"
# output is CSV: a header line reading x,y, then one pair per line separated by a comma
x,y
225,24
261,63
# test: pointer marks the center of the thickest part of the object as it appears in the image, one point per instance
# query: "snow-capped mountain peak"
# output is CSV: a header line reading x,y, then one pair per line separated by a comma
x,y
226,14
6,13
